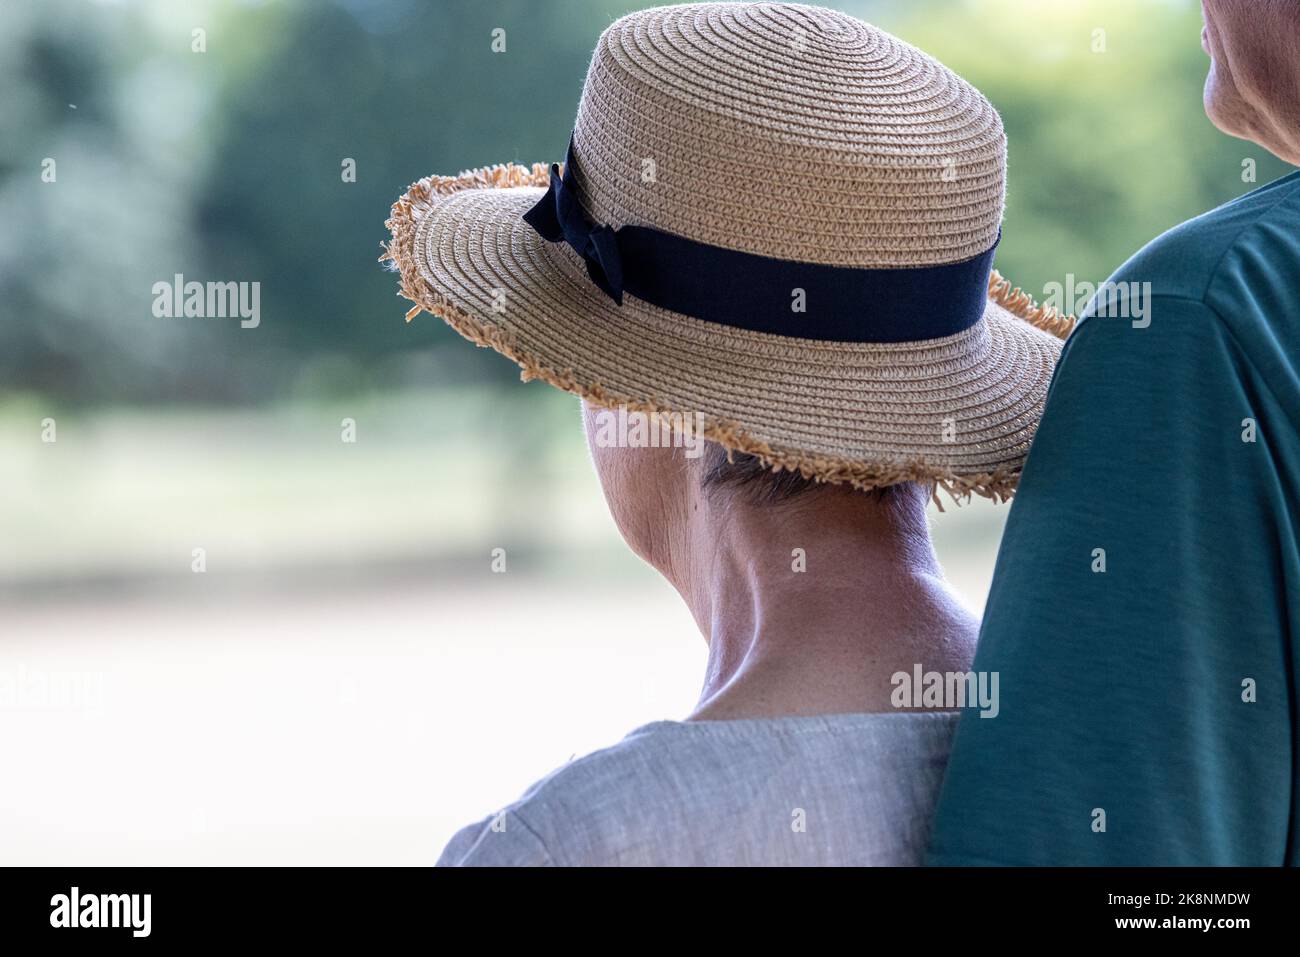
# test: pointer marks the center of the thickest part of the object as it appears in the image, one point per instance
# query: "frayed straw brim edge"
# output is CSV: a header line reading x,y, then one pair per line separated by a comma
x,y
419,199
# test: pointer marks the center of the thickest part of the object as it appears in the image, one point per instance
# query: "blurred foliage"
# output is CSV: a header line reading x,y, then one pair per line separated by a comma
x,y
1106,149
226,164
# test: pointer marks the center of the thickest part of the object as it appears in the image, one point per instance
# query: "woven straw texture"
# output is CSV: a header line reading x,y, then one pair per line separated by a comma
x,y
781,130
788,131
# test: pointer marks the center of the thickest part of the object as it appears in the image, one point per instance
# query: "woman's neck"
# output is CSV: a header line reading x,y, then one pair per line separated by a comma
x,y
811,609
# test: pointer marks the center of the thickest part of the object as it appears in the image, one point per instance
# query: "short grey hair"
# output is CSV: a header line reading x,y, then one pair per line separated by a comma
x,y
760,484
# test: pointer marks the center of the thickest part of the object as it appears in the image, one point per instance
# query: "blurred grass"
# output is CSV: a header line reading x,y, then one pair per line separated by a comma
x,y
127,492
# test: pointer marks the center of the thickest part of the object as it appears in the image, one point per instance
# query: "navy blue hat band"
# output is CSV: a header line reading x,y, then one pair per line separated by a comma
x,y
760,293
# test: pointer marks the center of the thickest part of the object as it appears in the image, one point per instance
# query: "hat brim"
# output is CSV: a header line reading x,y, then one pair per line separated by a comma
x,y
958,412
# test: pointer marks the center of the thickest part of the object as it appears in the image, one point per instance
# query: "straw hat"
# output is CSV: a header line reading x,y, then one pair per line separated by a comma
x,y
775,217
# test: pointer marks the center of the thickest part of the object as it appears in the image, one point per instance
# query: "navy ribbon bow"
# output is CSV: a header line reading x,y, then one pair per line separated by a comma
x,y
759,293
559,216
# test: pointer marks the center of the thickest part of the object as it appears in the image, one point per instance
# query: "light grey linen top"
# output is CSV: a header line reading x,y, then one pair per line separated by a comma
x,y
849,789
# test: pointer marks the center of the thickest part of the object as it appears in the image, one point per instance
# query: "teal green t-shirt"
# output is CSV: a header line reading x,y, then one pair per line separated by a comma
x,y
1144,618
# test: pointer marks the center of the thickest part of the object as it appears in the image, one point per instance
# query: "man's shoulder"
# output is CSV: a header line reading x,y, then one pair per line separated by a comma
x,y
1228,280
1188,261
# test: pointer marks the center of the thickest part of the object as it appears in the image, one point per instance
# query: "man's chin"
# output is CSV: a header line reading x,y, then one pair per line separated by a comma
x,y
1225,107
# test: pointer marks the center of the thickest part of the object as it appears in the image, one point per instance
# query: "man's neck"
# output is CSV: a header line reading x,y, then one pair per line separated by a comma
x,y
811,610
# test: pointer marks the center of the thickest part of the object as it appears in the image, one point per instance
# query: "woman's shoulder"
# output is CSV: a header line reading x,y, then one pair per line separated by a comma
x,y
705,792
